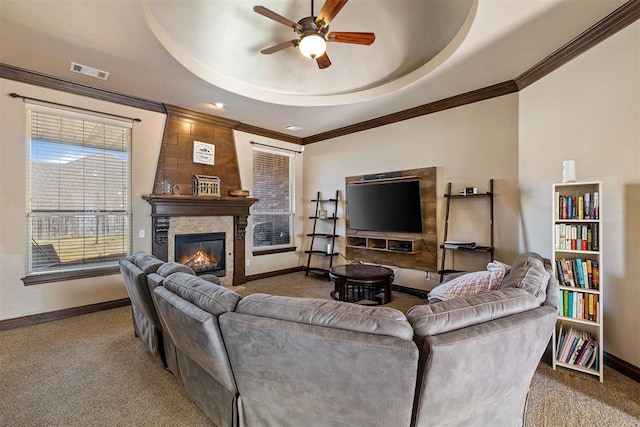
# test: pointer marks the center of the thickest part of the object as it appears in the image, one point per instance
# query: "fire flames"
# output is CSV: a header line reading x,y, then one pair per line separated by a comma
x,y
201,261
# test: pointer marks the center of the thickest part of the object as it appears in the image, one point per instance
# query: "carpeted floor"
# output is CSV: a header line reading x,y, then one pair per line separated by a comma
x,y
90,370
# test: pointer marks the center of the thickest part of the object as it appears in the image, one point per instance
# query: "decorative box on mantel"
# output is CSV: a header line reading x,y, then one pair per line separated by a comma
x,y
165,206
204,185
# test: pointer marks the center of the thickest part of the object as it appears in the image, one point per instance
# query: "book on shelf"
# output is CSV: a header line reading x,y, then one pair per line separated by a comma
x,y
579,273
578,265
595,273
576,237
578,305
578,206
577,347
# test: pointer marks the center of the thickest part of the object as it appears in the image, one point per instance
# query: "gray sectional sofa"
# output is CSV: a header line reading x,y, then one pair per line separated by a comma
x,y
283,361
146,324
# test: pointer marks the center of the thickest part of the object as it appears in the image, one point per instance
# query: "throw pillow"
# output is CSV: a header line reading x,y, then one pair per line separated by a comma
x,y
497,265
469,284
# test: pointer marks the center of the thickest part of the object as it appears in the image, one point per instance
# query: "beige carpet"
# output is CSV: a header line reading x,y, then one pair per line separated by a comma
x,y
91,371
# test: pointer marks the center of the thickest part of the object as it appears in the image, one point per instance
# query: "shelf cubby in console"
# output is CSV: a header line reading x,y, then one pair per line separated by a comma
x,y
408,246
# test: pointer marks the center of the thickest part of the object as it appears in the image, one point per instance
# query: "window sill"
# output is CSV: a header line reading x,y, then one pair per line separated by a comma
x,y
37,279
258,252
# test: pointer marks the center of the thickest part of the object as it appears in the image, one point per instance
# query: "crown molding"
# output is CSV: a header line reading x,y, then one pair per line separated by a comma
x,y
43,80
254,130
620,18
197,116
485,93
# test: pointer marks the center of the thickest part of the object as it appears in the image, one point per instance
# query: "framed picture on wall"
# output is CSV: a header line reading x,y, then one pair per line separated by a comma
x,y
204,153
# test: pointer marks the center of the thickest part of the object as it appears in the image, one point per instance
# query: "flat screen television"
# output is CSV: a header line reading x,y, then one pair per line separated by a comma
x,y
391,206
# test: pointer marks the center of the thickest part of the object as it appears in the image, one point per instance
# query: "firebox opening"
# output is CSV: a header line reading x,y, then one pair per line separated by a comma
x,y
203,252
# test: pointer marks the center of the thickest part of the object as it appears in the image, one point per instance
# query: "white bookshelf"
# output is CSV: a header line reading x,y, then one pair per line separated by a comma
x,y
577,246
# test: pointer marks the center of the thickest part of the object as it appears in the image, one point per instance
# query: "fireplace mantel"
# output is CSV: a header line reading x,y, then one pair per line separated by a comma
x,y
165,206
183,205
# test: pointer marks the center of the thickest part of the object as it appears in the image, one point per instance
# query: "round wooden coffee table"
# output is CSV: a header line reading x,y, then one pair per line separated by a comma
x,y
363,284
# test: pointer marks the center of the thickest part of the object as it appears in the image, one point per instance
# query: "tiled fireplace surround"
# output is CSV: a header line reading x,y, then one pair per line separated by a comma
x,y
183,213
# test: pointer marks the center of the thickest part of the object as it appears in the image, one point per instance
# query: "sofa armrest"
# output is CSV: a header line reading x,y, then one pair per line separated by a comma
x,y
445,316
484,370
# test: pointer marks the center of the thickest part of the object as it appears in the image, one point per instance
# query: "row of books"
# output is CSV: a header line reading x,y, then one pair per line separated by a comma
x,y
585,206
577,237
578,305
579,273
578,348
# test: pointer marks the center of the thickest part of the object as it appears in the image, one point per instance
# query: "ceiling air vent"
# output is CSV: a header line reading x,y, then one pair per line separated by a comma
x,y
88,71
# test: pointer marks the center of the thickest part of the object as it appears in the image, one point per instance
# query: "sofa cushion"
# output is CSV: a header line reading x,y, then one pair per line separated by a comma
x,y
530,274
205,295
168,268
469,283
330,314
145,262
457,313
526,258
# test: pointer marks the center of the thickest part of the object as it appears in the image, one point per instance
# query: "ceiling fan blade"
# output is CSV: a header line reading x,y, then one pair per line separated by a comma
x,y
276,17
354,38
329,11
323,61
278,47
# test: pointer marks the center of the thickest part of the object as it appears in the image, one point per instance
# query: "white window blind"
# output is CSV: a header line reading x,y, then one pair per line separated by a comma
x,y
273,185
78,190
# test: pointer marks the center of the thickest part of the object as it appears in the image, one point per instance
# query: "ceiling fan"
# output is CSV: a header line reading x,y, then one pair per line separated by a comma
x,y
314,32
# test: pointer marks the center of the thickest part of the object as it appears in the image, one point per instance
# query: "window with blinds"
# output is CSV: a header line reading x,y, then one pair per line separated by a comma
x,y
273,185
78,191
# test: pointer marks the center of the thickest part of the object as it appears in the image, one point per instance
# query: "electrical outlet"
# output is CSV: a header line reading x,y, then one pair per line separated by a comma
x,y
141,234
248,262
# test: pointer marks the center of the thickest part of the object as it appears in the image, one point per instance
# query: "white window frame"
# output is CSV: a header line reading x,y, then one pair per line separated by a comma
x,y
122,215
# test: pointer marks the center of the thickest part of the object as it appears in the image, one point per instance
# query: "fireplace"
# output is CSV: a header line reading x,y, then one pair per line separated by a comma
x,y
203,252
174,214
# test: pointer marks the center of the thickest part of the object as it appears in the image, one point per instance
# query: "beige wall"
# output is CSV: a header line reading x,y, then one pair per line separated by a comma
x,y
468,145
589,111
17,300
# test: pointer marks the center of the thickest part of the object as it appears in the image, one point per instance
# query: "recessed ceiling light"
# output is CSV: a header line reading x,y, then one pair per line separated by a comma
x,y
219,104
292,127
89,71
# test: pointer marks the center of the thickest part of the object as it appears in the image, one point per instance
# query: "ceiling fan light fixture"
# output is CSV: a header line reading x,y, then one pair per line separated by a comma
x,y
312,45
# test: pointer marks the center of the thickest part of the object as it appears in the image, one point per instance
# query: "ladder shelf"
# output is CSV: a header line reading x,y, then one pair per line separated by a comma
x,y
325,213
